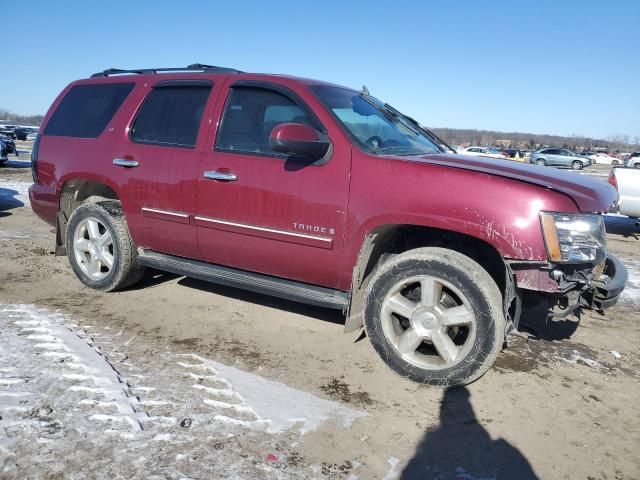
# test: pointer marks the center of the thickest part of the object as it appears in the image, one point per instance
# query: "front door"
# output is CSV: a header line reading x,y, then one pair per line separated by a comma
x,y
262,211
159,158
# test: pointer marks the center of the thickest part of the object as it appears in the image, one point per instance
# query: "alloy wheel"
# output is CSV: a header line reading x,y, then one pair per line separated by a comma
x,y
93,248
428,322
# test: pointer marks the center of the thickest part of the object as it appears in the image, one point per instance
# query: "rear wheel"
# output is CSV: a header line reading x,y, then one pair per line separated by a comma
x,y
435,316
541,161
577,165
99,246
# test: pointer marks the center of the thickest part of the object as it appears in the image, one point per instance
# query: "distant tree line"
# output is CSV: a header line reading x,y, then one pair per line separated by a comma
x,y
9,117
531,141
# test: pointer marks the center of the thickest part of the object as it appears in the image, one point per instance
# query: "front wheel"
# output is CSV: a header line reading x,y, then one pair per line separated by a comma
x,y
99,246
435,316
576,165
541,162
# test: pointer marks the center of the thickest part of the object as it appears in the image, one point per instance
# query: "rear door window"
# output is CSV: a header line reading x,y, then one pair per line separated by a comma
x,y
85,110
170,116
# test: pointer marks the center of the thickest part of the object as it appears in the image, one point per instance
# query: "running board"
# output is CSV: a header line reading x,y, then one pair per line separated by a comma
x,y
255,282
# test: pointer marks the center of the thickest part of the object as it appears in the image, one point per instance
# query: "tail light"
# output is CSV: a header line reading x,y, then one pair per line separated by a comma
x,y
34,159
613,180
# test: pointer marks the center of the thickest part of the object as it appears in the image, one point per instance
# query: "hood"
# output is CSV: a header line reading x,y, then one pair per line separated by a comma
x,y
589,195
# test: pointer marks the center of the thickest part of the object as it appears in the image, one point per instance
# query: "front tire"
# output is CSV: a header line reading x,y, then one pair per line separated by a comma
x,y
99,246
435,316
542,162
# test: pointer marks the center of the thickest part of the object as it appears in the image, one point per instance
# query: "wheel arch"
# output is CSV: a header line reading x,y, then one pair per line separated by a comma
x,y
73,193
387,240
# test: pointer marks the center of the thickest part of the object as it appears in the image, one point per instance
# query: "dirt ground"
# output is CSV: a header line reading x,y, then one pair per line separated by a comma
x,y
176,378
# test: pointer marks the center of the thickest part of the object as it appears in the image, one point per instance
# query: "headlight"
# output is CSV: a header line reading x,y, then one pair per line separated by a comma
x,y
574,238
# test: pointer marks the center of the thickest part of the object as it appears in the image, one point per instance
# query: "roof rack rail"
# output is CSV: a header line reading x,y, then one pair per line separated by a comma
x,y
198,67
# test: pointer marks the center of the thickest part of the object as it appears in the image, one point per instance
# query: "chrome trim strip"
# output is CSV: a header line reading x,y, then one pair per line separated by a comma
x,y
263,229
164,212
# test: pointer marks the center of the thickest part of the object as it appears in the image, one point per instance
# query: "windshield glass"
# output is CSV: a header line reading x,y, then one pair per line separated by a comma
x,y
375,126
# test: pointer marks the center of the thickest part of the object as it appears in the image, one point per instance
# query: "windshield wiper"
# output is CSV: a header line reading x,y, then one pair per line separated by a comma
x,y
428,133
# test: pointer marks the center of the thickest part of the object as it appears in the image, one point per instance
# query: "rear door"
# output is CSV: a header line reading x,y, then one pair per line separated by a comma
x,y
157,160
273,214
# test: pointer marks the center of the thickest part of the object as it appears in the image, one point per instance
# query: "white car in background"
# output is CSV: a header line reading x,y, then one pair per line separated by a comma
x,y
604,159
627,182
483,152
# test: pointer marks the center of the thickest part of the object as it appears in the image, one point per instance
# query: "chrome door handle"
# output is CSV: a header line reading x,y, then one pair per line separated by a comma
x,y
123,162
221,176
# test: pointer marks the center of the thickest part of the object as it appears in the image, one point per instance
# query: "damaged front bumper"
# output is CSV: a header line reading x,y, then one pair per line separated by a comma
x,y
565,289
605,291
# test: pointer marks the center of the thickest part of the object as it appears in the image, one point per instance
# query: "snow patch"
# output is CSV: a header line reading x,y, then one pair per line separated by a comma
x,y
12,189
631,293
268,403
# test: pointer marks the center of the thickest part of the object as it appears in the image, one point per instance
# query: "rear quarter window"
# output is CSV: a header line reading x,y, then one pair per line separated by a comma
x,y
85,110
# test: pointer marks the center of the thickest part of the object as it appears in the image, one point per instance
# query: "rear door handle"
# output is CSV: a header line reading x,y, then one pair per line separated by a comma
x,y
123,162
221,176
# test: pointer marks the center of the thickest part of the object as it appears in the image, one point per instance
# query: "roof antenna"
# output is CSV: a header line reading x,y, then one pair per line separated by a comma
x,y
365,90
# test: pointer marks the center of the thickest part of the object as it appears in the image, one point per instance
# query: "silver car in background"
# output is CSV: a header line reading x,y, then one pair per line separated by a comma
x,y
560,157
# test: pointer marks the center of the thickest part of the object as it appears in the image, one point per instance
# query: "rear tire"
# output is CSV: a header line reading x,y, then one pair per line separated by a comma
x,y
542,162
100,249
577,165
435,316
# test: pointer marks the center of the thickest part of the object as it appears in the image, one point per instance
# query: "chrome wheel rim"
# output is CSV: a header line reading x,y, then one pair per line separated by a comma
x,y
428,322
93,248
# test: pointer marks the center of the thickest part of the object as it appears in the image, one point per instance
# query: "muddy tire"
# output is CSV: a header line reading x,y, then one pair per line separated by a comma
x,y
434,316
100,249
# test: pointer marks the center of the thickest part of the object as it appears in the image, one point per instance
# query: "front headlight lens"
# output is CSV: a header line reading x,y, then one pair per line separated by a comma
x,y
574,237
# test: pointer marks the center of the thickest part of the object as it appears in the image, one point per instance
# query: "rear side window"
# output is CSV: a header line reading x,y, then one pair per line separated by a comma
x,y
85,110
170,116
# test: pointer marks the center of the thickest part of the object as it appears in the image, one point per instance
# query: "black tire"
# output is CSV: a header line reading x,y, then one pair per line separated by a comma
x,y
577,165
469,278
125,270
542,162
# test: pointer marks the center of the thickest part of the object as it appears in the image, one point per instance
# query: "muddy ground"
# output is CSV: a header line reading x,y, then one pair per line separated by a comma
x,y
176,378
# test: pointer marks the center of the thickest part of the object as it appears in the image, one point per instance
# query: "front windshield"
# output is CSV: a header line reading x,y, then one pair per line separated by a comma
x,y
378,128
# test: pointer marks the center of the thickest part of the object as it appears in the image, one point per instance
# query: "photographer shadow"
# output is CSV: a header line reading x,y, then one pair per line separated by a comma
x,y
460,448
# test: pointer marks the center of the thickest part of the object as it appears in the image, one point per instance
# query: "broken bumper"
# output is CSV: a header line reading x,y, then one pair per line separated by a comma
x,y
605,292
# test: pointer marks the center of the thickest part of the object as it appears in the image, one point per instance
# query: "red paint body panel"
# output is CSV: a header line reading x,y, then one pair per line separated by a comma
x,y
296,221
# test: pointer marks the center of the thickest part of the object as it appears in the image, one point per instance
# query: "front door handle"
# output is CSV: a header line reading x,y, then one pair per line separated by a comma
x,y
123,162
221,176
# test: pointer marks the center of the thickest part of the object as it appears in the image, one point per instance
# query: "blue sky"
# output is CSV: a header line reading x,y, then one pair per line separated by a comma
x,y
559,67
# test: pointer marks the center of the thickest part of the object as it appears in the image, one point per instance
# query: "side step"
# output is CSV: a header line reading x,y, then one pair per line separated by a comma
x,y
255,282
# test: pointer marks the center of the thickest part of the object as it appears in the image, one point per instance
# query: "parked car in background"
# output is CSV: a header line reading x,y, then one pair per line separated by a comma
x,y
3,153
458,148
32,136
9,144
483,152
633,160
605,159
512,153
21,133
8,131
559,157
590,155
222,175
627,182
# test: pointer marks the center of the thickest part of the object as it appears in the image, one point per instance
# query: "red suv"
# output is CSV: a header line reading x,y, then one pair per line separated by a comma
x,y
320,194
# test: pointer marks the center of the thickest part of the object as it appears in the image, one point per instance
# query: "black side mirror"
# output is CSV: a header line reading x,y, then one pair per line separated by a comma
x,y
297,139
